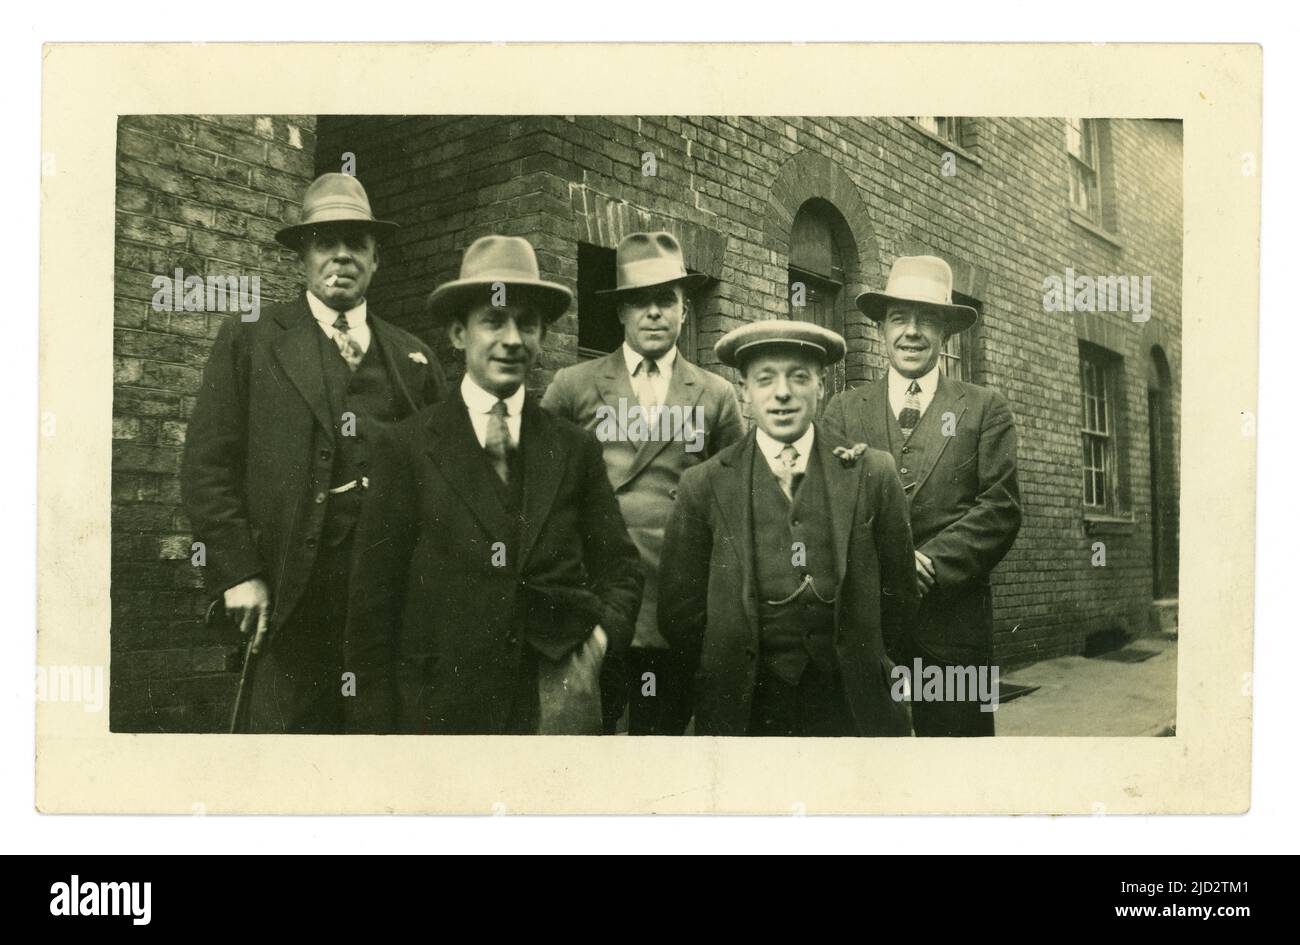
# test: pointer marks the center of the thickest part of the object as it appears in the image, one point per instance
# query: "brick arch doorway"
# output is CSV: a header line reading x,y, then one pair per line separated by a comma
x,y
821,250
811,182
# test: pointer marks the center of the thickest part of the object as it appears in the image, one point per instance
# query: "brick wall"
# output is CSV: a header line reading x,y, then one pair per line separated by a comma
x,y
207,194
203,194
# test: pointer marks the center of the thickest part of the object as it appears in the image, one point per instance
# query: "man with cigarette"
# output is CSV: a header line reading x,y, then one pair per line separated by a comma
x,y
689,415
787,568
955,448
278,453
495,580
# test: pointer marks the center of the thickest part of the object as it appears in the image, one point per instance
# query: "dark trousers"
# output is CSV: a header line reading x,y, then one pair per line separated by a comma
x,y
948,719
297,680
659,692
815,707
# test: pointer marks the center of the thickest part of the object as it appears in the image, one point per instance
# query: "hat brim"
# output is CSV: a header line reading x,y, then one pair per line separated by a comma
x,y
690,283
956,317
291,236
549,298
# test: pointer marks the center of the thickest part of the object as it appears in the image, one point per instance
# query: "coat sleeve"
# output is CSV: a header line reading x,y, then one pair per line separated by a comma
x,y
683,604
213,473
557,399
969,548
609,556
382,547
435,379
833,419
730,426
899,597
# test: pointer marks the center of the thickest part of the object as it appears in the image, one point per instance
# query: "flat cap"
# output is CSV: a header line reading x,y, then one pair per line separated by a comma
x,y
740,344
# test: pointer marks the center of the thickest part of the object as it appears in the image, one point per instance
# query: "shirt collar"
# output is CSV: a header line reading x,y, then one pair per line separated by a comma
x,y
771,448
633,360
327,316
928,382
479,400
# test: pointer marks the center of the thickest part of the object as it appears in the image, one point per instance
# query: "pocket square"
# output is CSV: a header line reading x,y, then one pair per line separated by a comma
x,y
418,357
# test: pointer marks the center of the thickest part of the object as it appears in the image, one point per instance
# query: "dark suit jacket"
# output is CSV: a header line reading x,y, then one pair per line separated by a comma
x,y
708,599
965,510
260,444
437,625
645,475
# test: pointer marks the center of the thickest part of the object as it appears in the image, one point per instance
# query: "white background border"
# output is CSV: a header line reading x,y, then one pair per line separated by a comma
x,y
1270,826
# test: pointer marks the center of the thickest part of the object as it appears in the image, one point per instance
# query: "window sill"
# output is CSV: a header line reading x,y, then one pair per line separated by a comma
x,y
1097,523
947,145
1079,220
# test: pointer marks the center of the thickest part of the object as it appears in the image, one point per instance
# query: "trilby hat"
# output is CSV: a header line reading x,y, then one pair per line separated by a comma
x,y
507,261
643,260
923,280
334,198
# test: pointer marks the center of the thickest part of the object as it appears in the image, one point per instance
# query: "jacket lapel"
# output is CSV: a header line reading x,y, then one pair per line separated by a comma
x,y
298,351
876,415
842,486
684,391
732,490
544,468
947,398
456,451
394,359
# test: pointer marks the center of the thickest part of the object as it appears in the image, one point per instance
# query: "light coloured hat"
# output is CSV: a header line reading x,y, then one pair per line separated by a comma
x,y
509,261
643,260
740,344
334,198
924,280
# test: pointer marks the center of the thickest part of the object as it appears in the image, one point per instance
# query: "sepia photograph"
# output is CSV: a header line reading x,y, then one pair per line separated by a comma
x,y
646,425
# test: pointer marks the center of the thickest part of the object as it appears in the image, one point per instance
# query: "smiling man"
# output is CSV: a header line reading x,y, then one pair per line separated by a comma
x,y
648,374
955,447
278,450
495,580
787,567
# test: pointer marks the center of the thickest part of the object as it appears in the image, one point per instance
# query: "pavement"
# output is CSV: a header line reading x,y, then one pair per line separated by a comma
x,y
1091,696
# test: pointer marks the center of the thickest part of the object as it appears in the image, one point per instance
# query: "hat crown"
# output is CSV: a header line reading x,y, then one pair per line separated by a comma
x,y
647,259
336,197
500,259
920,279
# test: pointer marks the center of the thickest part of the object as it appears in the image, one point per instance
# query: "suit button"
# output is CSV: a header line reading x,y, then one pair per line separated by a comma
x,y
311,541
907,449
903,470
320,497
325,454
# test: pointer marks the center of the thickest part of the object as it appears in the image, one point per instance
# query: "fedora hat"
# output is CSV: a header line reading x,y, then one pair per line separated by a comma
x,y
643,260
923,280
510,261
740,344
334,198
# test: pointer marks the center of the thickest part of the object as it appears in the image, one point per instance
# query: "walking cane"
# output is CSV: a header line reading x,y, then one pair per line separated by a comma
x,y
245,673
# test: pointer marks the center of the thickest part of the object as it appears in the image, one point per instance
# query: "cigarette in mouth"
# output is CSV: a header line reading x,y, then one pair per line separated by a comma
x,y
332,279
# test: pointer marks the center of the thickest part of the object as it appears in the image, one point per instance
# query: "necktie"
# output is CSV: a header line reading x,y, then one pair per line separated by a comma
x,y
910,415
645,387
789,481
348,346
497,442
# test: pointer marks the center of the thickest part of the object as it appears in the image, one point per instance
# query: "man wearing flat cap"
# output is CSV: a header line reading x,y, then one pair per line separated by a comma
x,y
955,448
277,456
498,577
787,567
688,414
